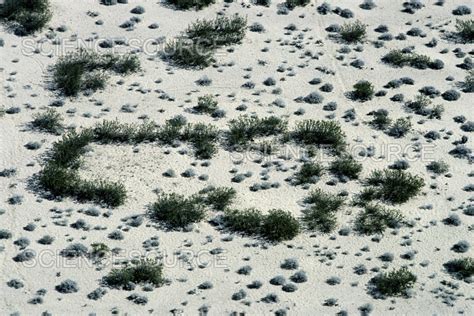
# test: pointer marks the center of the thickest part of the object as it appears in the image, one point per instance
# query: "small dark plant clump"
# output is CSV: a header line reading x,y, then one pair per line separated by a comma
x,y
393,186
353,32
381,119
191,4
394,283
245,129
399,128
177,211
346,167
26,16
321,214
374,219
206,104
145,272
438,167
309,173
320,133
468,84
363,91
401,58
219,198
462,268
465,30
248,221
291,4
49,121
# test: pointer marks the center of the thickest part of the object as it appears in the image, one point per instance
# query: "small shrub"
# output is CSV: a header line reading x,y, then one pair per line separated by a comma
x,y
311,132
321,215
465,30
49,121
58,180
309,173
145,272
381,119
67,286
191,4
346,166
393,283
248,221
399,128
279,225
206,104
108,132
203,138
291,4
185,53
394,186
353,32
176,211
27,16
460,268
112,194
363,91
221,31
438,167
399,58
468,84
219,198
244,129
374,219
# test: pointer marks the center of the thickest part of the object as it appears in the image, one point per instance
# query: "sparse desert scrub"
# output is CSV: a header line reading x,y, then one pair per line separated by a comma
x,y
218,198
185,53
176,211
393,186
400,58
27,16
321,213
206,104
465,30
363,91
221,31
462,268
353,32
374,219
191,4
320,133
247,221
144,272
468,84
381,119
245,128
203,137
48,121
309,173
87,70
346,166
291,4
279,225
394,283
100,191
399,128
438,167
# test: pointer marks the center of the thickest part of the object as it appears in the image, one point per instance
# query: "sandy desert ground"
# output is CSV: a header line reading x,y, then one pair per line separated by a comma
x,y
290,64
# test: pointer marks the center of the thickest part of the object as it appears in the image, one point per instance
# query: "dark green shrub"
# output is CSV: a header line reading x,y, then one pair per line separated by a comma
x,y
279,225
374,219
248,221
147,131
393,283
221,31
185,53
399,128
58,180
398,58
291,4
49,121
309,173
363,91
346,166
113,131
67,152
125,64
394,186
245,128
145,272
191,4
468,84
218,198
112,194
460,268
203,137
321,215
465,29
311,132
353,32
438,167
206,104
171,131
177,211
30,16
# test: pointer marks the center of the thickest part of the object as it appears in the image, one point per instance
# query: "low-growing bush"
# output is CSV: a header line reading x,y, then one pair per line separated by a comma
x,y
67,151
374,219
363,91
393,283
221,31
48,121
112,194
218,198
291,4
176,211
206,104
311,132
381,119
462,268
144,272
399,58
394,186
353,32
279,225
438,167
321,215
203,137
191,4
245,128
468,84
309,173
186,53
248,221
465,30
346,166
399,128
27,16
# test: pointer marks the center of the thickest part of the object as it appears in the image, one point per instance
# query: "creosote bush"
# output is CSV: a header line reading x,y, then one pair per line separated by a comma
x,y
177,211
320,133
219,198
374,219
185,53
465,30
400,58
346,166
191,4
291,4
321,213
48,121
395,282
277,225
87,70
206,104
144,272
309,173
353,32
363,91
26,16
462,268
393,186
245,129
